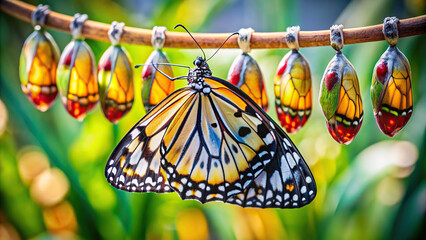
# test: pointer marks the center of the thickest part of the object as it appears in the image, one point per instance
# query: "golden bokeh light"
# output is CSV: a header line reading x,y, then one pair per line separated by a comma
x,y
31,162
50,187
60,219
192,224
405,154
3,117
252,223
390,191
389,155
7,230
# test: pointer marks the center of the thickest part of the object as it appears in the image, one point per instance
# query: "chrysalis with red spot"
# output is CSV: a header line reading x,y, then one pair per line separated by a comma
x,y
115,77
155,85
38,61
245,73
77,73
340,97
293,86
391,85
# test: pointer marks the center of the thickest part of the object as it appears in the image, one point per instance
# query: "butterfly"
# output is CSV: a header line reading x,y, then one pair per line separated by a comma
x,y
210,142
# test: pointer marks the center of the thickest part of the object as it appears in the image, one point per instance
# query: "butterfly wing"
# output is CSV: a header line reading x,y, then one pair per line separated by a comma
x,y
211,148
286,182
216,145
134,165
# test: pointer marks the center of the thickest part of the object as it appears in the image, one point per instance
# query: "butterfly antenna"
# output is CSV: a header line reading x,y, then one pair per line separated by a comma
x,y
180,25
165,64
235,33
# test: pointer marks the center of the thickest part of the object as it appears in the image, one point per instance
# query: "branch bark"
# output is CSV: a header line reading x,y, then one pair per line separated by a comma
x,y
99,31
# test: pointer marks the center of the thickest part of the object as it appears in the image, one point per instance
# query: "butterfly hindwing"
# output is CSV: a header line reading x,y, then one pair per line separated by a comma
x,y
286,182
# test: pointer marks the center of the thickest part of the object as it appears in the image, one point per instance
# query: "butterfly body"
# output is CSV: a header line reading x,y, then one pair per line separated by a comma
x,y
209,142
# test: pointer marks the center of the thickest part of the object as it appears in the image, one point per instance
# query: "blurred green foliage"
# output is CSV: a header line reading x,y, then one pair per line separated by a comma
x,y
372,189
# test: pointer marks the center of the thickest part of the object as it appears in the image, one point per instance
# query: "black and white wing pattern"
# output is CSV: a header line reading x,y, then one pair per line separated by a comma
x,y
134,165
216,145
286,182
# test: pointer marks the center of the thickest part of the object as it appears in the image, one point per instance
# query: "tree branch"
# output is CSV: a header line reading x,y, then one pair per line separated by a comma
x,y
99,31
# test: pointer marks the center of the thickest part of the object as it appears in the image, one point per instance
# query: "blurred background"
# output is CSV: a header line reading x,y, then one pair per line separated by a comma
x,y
52,182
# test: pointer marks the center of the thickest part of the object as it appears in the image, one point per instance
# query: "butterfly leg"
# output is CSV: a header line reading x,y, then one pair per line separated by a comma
x,y
171,79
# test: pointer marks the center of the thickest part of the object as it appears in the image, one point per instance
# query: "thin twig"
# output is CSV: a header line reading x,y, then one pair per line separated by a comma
x,y
99,31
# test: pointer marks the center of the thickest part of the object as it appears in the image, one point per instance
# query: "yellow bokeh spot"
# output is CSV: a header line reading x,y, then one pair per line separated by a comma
x,y
31,163
192,224
61,219
50,187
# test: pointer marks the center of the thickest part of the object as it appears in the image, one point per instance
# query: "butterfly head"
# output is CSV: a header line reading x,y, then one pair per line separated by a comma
x,y
201,67
196,75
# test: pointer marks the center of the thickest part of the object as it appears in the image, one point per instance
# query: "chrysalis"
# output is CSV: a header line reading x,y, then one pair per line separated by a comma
x,y
293,86
245,73
115,77
391,86
77,73
38,61
156,86
339,94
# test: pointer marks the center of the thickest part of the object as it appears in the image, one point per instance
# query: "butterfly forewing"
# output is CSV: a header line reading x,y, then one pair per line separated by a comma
x,y
134,164
214,148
